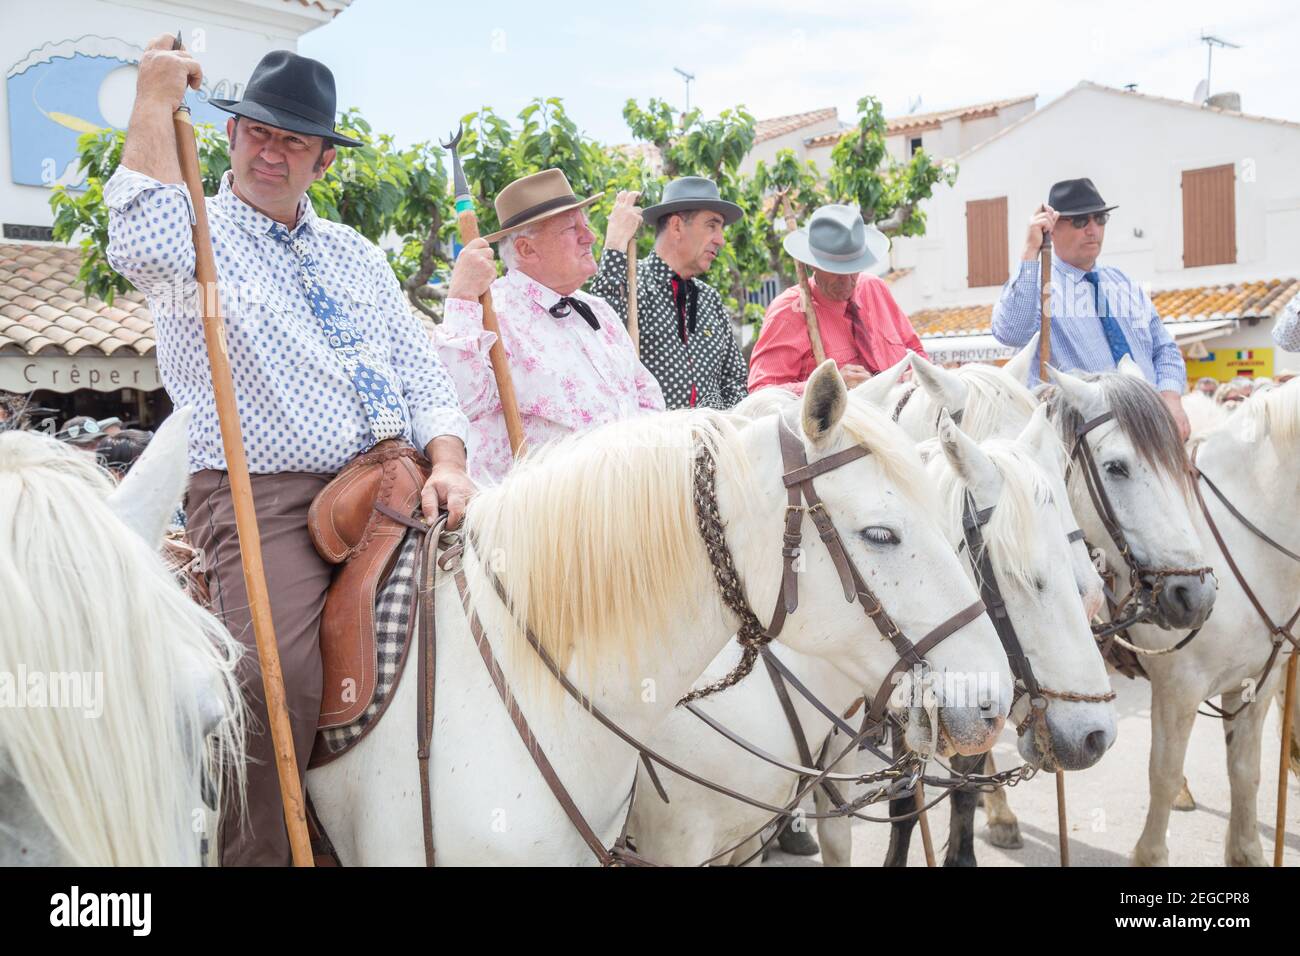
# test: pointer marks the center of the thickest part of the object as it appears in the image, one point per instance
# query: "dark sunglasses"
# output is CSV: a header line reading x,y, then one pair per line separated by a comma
x,y
1081,222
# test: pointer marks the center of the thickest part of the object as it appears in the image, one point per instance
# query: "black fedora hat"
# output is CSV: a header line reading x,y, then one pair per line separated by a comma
x,y
1075,197
290,92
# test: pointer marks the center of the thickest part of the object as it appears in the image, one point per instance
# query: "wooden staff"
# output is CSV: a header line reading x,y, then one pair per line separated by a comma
x,y
1063,834
1044,358
805,291
467,224
1288,702
1045,330
927,843
241,494
632,329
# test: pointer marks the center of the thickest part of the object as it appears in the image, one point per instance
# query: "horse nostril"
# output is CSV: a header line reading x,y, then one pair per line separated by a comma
x,y
1094,745
1183,596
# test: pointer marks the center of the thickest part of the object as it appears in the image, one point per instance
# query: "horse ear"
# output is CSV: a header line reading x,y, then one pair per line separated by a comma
x,y
969,461
824,400
149,494
1086,398
944,388
1130,367
1019,366
1040,438
876,389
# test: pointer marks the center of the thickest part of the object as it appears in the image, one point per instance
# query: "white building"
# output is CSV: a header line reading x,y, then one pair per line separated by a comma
x,y
69,68
943,134
1208,217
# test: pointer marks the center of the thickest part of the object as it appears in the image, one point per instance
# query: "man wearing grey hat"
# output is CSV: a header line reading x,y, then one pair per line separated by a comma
x,y
685,333
862,328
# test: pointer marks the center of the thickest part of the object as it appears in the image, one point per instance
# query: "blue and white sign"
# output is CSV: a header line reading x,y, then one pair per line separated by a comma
x,y
67,88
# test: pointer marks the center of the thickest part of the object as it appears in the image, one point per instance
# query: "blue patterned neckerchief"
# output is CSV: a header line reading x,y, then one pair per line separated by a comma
x,y
1119,346
382,404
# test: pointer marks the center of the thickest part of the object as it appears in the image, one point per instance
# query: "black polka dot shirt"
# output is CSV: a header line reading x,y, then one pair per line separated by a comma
x,y
704,368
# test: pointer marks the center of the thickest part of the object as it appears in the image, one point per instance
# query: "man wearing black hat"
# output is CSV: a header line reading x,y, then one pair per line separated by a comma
x,y
685,334
328,361
1099,315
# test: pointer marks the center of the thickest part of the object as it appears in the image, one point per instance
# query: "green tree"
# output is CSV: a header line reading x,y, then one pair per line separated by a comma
x,y
888,192
376,188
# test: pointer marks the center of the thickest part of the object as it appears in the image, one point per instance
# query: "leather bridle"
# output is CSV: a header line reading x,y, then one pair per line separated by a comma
x,y
1279,633
1142,596
973,521
803,499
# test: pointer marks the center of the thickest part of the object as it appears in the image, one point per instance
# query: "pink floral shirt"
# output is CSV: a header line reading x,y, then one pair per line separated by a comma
x,y
567,376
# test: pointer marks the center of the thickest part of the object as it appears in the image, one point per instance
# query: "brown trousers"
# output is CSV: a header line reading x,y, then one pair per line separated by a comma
x,y
297,580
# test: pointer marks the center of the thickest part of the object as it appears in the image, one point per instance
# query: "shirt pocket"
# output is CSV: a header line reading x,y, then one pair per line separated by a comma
x,y
1139,337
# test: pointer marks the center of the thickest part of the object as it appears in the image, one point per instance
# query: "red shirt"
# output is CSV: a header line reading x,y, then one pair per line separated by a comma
x,y
783,355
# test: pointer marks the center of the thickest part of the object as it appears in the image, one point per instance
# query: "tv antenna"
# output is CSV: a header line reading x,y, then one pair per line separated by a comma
x,y
913,105
688,77
1210,43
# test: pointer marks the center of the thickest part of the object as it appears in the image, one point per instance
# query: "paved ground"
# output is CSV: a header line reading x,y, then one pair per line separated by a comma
x,y
1107,803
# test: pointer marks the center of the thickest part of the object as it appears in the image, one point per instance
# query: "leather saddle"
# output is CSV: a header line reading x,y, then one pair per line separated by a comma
x,y
350,532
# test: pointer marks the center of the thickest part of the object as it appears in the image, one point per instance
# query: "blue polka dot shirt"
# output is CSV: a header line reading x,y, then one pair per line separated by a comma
x,y
298,408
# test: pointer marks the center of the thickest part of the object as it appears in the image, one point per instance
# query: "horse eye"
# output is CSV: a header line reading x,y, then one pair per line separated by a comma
x,y
879,535
1116,469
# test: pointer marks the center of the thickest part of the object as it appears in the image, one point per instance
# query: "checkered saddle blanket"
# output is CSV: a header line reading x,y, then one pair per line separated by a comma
x,y
394,624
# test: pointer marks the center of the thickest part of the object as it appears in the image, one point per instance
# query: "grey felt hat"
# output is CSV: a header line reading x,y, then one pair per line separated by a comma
x,y
691,192
837,240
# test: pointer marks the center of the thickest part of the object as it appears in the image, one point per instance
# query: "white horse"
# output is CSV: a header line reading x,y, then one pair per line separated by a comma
x,y
1027,538
113,680
1252,458
595,540
1156,510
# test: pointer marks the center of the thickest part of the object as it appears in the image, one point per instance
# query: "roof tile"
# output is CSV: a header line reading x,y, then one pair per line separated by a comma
x,y
1262,299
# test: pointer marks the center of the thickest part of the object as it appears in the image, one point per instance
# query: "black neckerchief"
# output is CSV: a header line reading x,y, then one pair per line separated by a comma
x,y
567,303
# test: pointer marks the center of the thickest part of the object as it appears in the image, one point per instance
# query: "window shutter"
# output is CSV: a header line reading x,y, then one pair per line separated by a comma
x,y
1209,216
986,242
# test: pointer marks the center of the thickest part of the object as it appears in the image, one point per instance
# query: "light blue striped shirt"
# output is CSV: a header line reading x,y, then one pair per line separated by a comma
x,y
1078,340
1286,329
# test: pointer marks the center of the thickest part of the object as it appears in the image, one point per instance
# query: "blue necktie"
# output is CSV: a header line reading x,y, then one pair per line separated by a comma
x,y
1114,334
382,404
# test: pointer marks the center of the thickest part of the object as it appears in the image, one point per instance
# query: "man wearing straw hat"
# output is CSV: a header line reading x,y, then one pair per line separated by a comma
x,y
572,361
685,334
327,357
862,328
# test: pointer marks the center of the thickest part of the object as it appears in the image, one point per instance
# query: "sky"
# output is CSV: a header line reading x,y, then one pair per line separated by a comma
x,y
414,66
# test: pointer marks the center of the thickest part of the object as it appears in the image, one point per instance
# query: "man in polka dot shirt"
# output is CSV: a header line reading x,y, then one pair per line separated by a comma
x,y
685,332
326,355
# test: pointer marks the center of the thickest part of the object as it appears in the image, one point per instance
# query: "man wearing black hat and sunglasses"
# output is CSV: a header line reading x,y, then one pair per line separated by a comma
x,y
1099,314
328,361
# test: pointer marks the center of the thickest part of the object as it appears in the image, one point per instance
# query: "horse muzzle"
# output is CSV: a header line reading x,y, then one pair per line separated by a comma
x,y
1185,601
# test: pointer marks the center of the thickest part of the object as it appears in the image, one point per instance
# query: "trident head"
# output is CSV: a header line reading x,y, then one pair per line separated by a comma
x,y
457,171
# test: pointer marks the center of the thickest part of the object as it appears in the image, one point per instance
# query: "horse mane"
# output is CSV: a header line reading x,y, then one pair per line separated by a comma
x,y
1275,413
594,537
990,391
766,401
1141,416
1012,534
84,594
